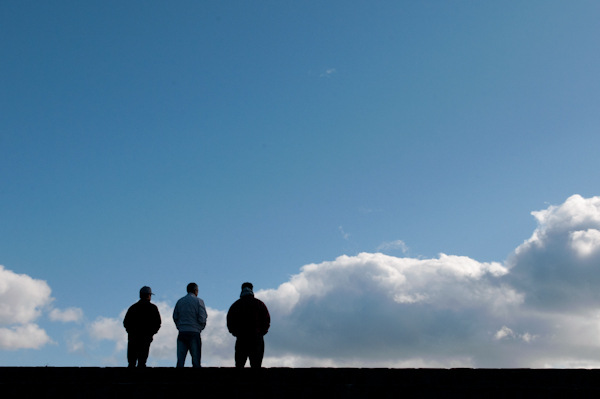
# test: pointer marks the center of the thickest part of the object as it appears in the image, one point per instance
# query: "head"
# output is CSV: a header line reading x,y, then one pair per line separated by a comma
x,y
192,288
247,290
249,285
146,293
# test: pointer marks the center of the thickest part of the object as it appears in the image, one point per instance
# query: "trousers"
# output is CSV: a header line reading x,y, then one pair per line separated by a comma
x,y
249,346
137,351
189,341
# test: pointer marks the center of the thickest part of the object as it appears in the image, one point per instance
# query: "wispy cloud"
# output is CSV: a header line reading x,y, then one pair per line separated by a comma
x,y
392,245
66,315
327,73
344,234
368,210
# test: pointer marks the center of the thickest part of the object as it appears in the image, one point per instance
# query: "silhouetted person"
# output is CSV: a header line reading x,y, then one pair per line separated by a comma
x,y
189,316
142,321
248,320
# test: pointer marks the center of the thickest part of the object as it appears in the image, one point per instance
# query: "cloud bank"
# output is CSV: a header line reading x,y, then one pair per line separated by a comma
x,y
540,308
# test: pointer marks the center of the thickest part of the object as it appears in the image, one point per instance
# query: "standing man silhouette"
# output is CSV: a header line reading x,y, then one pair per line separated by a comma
x,y
189,316
248,320
142,321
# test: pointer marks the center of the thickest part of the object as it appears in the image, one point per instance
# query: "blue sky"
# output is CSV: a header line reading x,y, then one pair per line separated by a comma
x,y
152,143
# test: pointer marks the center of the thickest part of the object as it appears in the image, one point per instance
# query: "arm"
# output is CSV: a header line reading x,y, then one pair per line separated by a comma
x,y
265,319
176,314
231,318
127,320
202,316
157,320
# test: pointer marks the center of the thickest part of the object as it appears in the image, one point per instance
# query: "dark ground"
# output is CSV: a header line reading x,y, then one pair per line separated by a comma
x,y
117,382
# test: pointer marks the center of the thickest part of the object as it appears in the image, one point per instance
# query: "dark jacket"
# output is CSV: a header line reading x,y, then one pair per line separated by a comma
x,y
248,316
142,320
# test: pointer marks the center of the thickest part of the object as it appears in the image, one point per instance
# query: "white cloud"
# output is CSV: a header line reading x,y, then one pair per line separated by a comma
x,y
585,242
558,266
111,329
21,297
22,300
383,309
528,337
66,315
27,336
504,332
391,245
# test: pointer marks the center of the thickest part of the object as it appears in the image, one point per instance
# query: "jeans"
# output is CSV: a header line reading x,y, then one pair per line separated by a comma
x,y
249,346
189,341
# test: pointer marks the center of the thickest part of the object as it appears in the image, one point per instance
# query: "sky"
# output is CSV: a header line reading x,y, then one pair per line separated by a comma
x,y
406,184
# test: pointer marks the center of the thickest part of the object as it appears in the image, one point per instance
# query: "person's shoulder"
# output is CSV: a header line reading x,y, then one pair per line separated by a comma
x,y
236,303
259,301
132,307
136,305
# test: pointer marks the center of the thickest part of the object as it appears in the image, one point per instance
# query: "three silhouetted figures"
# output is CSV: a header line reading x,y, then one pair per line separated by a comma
x,y
248,320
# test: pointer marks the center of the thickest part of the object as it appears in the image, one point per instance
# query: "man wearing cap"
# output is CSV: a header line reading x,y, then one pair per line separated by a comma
x,y
189,316
142,321
248,320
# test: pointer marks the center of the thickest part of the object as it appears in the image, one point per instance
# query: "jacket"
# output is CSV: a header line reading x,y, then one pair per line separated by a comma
x,y
142,319
190,314
248,316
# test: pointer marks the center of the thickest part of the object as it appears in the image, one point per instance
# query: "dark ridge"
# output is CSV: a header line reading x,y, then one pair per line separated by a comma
x,y
215,383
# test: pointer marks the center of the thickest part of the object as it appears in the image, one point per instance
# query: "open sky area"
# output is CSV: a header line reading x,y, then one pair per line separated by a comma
x,y
406,183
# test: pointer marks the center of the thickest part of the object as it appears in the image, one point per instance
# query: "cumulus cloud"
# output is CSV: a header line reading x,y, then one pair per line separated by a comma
x,y
558,266
539,308
21,297
67,315
383,309
26,336
108,328
22,300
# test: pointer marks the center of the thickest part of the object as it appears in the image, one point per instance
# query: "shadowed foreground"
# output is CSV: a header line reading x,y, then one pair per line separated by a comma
x,y
91,382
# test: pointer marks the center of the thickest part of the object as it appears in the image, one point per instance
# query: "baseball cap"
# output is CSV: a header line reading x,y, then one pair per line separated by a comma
x,y
146,290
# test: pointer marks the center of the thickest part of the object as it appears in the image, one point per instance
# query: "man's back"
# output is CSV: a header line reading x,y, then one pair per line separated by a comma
x,y
248,320
248,316
142,319
190,314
